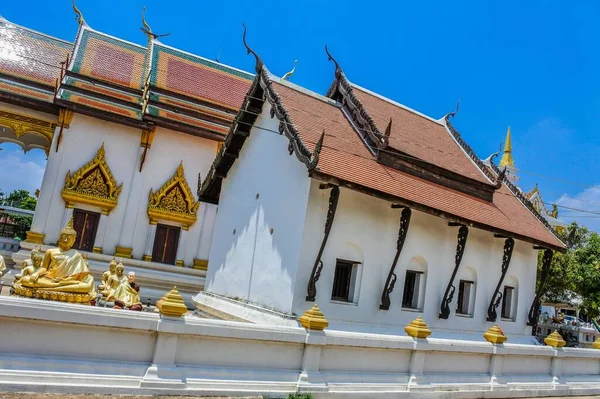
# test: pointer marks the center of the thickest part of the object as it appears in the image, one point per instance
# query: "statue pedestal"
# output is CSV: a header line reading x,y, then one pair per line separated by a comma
x,y
26,292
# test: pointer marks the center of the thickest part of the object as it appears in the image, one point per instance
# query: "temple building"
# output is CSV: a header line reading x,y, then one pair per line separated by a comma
x,y
128,131
374,211
534,196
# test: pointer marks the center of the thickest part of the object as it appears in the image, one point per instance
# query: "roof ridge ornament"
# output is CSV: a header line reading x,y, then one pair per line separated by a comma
x,y
259,63
453,114
288,75
147,29
78,14
338,69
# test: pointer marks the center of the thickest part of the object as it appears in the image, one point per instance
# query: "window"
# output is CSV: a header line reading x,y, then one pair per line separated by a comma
x,y
465,288
166,241
344,281
85,223
507,302
412,282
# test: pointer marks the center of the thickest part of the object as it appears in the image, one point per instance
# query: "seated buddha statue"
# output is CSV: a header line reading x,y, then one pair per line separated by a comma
x,y
31,265
126,295
109,280
64,274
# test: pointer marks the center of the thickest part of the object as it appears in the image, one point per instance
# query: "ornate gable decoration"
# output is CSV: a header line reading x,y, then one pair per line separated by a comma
x,y
93,184
174,201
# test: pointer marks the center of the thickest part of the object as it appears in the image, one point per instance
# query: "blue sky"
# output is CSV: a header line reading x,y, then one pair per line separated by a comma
x,y
532,65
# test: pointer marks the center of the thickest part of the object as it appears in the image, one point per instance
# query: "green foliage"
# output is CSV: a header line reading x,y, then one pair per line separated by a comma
x,y
300,396
577,271
23,225
21,199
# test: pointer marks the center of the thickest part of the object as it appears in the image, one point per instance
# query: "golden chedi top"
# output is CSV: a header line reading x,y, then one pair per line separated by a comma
x,y
171,304
313,319
418,328
507,158
63,276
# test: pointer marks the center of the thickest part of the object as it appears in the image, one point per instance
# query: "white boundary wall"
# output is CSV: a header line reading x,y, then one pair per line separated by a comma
x,y
55,347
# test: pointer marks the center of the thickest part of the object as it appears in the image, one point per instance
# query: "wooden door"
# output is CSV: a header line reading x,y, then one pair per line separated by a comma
x,y
166,242
85,224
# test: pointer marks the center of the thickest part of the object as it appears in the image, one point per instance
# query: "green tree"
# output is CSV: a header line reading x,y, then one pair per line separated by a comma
x,y
21,199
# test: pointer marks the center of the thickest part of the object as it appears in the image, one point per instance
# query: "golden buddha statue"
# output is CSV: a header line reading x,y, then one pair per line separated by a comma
x,y
31,265
109,279
63,276
126,295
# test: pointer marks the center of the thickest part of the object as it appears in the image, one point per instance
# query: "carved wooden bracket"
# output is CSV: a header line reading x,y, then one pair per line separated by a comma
x,y
391,278
534,311
509,245
463,233
311,289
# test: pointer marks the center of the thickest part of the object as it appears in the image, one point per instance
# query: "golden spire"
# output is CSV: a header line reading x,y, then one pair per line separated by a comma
x,y
146,28
78,14
507,158
290,73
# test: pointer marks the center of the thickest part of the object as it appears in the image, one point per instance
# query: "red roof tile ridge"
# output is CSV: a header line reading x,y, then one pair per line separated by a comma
x,y
159,43
381,97
479,166
303,90
86,26
35,31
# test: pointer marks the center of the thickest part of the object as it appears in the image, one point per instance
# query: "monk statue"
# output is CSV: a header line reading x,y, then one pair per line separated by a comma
x,y
109,279
127,296
31,265
63,276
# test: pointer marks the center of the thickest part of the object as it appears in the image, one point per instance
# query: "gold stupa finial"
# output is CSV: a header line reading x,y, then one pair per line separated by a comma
x,y
507,158
288,75
78,14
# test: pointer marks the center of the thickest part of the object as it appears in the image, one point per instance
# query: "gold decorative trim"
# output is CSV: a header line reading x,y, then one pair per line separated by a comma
x,y
201,264
65,116
596,343
172,304
418,328
26,292
35,238
174,201
147,138
313,319
179,263
147,258
97,250
123,252
495,335
22,124
93,184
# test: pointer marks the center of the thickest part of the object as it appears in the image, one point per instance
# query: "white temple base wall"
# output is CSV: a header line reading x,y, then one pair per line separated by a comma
x,y
55,347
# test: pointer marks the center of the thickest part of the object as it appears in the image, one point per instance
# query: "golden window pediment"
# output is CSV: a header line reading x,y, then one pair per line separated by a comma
x,y
93,184
174,201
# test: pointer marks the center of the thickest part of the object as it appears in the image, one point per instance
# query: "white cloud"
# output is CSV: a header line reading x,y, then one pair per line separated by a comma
x,y
20,171
582,203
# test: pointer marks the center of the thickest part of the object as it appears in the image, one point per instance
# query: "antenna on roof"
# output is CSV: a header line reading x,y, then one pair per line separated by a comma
x,y
288,75
338,69
78,14
146,28
453,114
259,63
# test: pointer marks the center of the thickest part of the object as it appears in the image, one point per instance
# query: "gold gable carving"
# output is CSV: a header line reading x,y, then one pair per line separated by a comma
x,y
24,126
93,184
174,201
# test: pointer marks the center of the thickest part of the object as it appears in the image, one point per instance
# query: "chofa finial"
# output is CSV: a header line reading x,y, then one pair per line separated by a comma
x,y
453,114
259,63
338,69
290,73
78,14
147,29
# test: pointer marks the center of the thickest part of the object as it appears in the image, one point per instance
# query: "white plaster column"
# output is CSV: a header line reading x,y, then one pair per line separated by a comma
x,y
556,366
208,223
183,238
100,233
417,361
134,199
310,379
163,373
496,364
150,242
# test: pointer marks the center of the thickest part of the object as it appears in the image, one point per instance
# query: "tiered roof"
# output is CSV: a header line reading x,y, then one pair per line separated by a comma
x,y
116,80
416,161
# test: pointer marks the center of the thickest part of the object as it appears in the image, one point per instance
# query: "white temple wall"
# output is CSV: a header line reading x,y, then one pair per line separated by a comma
x,y
258,231
365,230
67,348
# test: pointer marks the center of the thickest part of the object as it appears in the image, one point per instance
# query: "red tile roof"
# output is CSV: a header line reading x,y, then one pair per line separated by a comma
x,y
345,157
418,135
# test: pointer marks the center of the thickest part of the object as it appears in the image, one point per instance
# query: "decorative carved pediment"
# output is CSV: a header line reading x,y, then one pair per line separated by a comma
x,y
93,184
174,201
26,131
